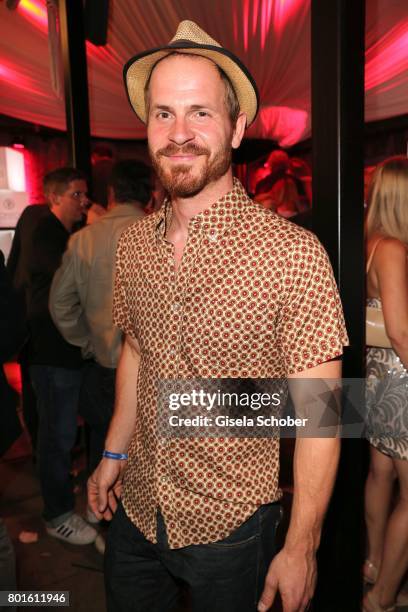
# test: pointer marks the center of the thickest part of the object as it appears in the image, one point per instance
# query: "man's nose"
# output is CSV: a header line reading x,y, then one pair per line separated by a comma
x,y
180,131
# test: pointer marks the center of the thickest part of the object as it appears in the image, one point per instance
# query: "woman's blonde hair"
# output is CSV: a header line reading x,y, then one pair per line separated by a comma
x,y
388,199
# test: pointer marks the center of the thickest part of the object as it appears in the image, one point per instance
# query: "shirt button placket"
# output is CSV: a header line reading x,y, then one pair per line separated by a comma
x,y
174,351
176,310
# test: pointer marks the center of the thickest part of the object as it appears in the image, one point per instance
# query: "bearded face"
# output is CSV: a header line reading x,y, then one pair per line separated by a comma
x,y
189,129
185,170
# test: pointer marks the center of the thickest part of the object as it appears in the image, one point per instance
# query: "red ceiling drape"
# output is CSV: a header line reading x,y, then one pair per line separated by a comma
x,y
271,36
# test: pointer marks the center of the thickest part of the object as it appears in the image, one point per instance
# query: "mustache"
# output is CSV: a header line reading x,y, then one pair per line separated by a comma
x,y
188,149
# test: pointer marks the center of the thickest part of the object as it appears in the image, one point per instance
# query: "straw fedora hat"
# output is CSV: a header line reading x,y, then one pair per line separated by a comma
x,y
190,38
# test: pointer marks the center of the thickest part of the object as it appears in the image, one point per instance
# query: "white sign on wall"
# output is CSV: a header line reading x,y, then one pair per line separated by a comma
x,y
6,238
12,204
13,195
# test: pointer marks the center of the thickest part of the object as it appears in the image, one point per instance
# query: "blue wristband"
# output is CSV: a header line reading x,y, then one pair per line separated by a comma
x,y
117,456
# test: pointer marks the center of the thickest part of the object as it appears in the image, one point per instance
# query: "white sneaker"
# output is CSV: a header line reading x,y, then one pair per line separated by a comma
x,y
75,530
100,544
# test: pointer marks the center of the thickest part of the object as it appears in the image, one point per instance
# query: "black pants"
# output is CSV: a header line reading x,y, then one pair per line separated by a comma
x,y
96,402
225,576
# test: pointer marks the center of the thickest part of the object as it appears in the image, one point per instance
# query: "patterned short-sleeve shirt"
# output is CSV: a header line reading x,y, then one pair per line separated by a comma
x,y
254,297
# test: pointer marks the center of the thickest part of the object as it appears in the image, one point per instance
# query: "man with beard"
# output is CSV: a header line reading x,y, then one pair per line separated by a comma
x,y
211,286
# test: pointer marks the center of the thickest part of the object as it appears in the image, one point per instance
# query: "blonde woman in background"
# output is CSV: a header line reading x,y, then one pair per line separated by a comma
x,y
387,389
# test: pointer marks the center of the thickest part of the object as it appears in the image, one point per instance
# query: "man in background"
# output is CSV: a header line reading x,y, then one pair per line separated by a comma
x,y
81,296
55,365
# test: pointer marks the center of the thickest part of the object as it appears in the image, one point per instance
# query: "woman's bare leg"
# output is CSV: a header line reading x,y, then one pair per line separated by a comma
x,y
395,552
378,494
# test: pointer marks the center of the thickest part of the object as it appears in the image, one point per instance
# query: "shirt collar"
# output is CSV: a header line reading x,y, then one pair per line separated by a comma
x,y
215,219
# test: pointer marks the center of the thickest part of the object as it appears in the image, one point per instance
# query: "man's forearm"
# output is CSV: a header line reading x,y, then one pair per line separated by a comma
x,y
315,467
316,395
124,417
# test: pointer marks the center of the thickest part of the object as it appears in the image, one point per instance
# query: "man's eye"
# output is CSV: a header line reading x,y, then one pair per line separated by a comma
x,y
163,115
202,114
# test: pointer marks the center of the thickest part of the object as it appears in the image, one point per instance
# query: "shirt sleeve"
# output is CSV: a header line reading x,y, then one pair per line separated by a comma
x,y
311,328
123,305
66,308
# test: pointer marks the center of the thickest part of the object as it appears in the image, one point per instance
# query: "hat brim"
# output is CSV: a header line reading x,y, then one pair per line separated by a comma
x,y
137,70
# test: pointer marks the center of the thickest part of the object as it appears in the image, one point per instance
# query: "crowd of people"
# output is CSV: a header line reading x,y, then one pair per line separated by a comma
x,y
63,280
211,284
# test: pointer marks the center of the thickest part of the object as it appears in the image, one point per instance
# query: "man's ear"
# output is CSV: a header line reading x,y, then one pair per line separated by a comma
x,y
239,130
53,199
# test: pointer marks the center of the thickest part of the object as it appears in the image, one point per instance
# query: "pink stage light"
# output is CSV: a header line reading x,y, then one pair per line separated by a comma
x,y
17,79
267,16
284,11
255,10
35,11
288,125
105,54
12,77
4,73
245,22
13,375
388,58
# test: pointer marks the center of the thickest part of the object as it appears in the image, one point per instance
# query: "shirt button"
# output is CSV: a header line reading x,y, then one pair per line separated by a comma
x,y
176,306
213,237
172,353
164,479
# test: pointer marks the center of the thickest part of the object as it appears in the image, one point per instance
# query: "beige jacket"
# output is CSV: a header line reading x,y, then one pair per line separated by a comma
x,y
82,288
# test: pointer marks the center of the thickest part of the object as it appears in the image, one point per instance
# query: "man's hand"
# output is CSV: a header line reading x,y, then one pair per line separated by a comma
x,y
293,571
293,574
105,488
105,484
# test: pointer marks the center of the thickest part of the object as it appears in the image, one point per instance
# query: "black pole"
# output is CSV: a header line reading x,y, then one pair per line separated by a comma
x,y
76,83
338,28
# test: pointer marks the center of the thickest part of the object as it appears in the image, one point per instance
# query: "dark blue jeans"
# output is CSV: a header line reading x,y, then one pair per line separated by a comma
x,y
57,391
225,576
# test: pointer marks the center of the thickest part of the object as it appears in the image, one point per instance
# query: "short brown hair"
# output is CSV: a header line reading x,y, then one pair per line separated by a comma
x,y
58,180
231,99
130,181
